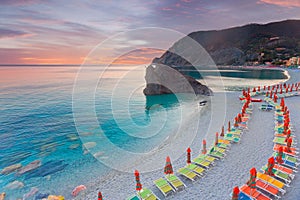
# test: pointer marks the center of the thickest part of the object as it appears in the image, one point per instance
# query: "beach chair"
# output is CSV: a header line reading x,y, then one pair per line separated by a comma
x,y
231,137
269,189
133,197
270,180
195,168
202,162
215,152
222,141
243,196
280,175
147,194
164,186
255,193
207,158
293,149
188,174
281,141
222,145
285,169
176,183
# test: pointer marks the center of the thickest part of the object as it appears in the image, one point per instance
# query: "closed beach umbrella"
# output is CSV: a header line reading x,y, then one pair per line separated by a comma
x,y
258,88
100,196
267,94
271,163
254,89
168,167
271,94
138,182
204,147
222,132
228,126
279,155
289,144
188,160
217,138
282,102
235,122
235,193
252,181
288,135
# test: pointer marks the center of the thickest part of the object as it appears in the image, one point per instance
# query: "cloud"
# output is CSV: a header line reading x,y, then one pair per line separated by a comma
x,y
18,2
7,33
282,3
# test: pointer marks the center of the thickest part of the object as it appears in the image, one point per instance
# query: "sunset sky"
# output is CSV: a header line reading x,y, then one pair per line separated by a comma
x,y
64,32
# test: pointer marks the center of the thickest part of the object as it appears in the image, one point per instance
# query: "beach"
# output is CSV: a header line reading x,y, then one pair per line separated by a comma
x,y
255,148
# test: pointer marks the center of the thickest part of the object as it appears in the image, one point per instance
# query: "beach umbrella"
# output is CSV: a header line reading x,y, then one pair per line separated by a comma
x,y
217,138
100,196
188,160
288,135
168,167
204,147
279,155
235,193
235,122
271,163
291,89
258,88
271,94
222,132
228,126
264,87
282,102
267,94
252,181
138,182
275,98
248,90
254,89
268,87
289,144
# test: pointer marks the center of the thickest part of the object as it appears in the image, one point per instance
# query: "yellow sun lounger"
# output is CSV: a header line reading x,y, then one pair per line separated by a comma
x,y
175,182
188,174
280,185
164,186
195,168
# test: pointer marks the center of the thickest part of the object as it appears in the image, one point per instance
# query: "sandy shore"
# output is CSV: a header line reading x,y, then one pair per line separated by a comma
x,y
253,151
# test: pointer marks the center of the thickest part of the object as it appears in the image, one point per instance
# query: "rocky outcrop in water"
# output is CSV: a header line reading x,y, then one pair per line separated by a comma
x,y
162,79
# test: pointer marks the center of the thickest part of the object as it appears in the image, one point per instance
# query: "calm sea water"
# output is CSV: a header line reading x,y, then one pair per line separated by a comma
x,y
37,122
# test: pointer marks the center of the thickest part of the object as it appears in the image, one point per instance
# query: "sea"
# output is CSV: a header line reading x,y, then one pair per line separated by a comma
x,y
83,122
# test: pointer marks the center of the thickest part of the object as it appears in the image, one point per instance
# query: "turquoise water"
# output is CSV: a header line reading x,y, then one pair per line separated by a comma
x,y
37,123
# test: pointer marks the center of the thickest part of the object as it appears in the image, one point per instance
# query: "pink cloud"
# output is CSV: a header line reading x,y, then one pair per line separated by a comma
x,y
166,9
283,3
186,1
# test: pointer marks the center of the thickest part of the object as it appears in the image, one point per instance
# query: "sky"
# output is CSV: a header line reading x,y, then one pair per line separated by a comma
x,y
64,32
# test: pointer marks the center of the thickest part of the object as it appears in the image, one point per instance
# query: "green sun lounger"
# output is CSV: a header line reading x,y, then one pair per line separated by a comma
x,y
222,145
188,174
279,140
202,162
164,186
134,197
207,157
195,168
215,153
281,175
147,194
175,182
288,158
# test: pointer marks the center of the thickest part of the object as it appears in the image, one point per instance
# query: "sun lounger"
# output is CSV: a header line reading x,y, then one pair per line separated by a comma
x,y
134,197
195,168
280,140
202,162
254,193
222,141
222,145
146,194
269,189
232,138
286,157
207,158
285,169
188,174
280,175
270,180
243,196
176,183
164,186
293,153
216,152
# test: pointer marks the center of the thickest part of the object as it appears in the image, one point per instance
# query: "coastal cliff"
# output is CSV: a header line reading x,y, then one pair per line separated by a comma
x,y
162,79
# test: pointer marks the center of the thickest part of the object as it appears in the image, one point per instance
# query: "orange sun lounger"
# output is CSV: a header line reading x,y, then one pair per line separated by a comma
x,y
268,188
284,169
255,194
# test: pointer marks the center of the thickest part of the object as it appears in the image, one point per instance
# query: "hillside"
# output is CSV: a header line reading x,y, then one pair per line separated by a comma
x,y
249,44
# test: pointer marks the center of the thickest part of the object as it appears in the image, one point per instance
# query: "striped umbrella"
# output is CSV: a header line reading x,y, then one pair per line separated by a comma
x,y
235,193
252,181
282,102
138,182
279,155
100,196
204,147
188,155
168,167
271,163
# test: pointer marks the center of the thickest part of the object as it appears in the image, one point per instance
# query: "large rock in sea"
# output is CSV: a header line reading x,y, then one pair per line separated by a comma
x,y
163,79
